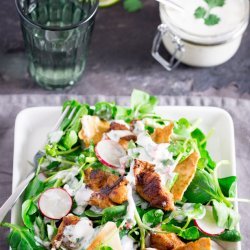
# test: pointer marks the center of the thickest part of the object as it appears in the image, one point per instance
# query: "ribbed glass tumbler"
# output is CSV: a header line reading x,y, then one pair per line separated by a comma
x,y
56,35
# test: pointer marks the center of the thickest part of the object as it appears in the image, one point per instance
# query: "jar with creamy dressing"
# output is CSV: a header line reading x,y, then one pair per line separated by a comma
x,y
204,33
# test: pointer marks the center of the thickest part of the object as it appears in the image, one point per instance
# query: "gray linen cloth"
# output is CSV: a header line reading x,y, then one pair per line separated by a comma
x,y
10,105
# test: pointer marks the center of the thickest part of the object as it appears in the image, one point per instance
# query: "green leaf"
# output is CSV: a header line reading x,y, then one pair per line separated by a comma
x,y
92,214
106,248
153,217
34,188
228,185
21,238
225,217
142,102
191,233
113,213
215,3
28,209
200,12
194,210
202,188
230,235
132,5
123,113
182,127
70,139
105,110
212,19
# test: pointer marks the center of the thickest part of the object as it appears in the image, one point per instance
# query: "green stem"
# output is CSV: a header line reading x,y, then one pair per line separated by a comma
x,y
69,151
187,223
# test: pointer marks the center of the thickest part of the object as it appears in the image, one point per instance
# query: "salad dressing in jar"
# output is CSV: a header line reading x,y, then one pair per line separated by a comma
x,y
204,34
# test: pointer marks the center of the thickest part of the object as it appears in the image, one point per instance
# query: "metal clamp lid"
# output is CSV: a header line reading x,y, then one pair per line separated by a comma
x,y
163,30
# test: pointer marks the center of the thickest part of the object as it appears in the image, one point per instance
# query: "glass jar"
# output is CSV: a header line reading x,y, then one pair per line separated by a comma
x,y
201,35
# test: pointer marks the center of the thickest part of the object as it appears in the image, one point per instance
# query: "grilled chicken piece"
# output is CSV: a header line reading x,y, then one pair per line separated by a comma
x,y
109,188
162,135
162,241
96,179
201,244
67,220
186,171
124,141
148,186
118,126
100,200
93,129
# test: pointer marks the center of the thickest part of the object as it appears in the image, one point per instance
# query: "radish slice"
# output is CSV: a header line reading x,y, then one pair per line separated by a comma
x,y
55,203
109,153
207,224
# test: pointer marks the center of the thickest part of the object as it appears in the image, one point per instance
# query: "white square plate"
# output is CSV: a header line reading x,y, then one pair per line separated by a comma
x,y
33,124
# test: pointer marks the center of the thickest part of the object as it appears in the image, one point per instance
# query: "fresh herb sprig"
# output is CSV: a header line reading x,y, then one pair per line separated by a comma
x,y
209,18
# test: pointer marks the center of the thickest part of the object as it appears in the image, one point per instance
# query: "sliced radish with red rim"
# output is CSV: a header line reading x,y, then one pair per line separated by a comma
x,y
207,224
55,203
109,153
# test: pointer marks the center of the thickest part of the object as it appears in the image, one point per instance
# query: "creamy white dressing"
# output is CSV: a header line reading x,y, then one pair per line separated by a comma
x,y
80,235
67,175
139,127
116,135
127,243
157,154
82,198
231,15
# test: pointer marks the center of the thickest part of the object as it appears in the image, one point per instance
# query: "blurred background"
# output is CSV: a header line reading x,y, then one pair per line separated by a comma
x,y
120,60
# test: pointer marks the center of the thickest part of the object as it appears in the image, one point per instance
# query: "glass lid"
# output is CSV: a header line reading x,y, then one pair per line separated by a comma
x,y
207,21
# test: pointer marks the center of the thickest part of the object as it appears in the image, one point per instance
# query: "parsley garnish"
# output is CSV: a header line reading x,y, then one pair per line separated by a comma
x,y
205,13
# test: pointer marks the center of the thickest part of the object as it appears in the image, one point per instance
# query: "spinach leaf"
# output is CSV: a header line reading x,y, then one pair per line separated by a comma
x,y
34,188
228,185
230,235
225,217
28,209
92,214
21,238
202,188
191,233
113,213
205,160
106,248
182,127
194,210
153,217
123,113
70,139
142,102
105,110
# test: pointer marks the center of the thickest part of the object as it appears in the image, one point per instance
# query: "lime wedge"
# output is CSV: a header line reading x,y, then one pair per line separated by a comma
x,y
106,3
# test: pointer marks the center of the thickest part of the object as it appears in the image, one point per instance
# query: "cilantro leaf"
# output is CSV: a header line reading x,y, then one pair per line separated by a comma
x,y
212,20
132,5
200,12
215,3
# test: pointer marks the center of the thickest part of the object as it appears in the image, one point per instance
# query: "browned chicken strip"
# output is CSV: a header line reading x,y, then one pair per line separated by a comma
x,y
109,188
67,220
148,186
162,135
118,126
201,244
165,241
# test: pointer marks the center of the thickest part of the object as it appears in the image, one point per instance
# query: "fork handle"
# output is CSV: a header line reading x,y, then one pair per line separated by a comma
x,y
6,207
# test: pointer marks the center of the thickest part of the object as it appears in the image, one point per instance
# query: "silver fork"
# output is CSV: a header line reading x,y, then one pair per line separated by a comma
x,y
11,201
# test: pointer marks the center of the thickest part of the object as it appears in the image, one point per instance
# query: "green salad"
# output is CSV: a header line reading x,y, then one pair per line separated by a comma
x,y
122,178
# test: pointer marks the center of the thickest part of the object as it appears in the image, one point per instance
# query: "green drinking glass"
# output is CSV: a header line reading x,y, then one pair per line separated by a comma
x,y
56,35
